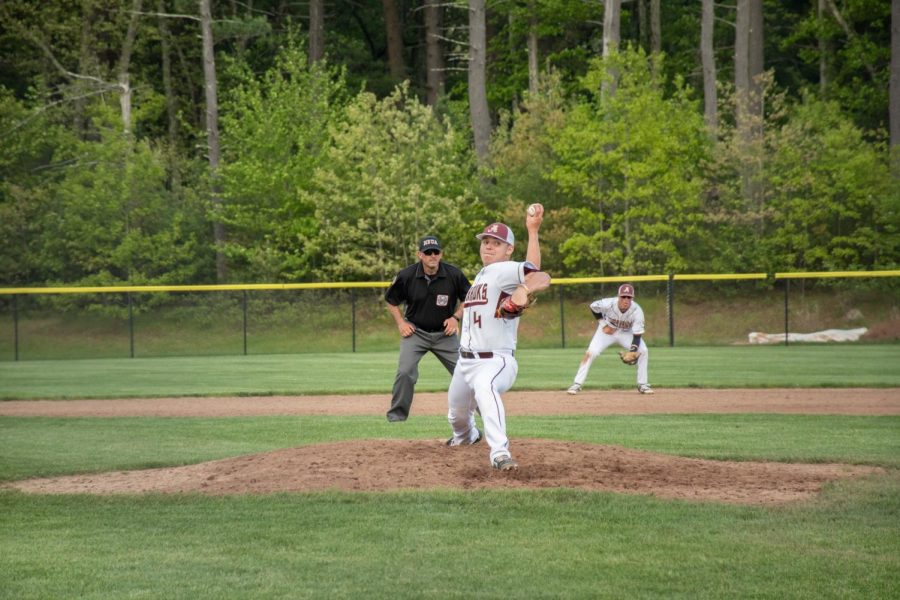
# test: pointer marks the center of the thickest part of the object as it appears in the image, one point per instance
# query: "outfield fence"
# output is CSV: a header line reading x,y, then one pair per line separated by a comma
x,y
695,309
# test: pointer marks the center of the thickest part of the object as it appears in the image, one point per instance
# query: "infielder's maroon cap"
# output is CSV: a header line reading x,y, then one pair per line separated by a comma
x,y
626,289
498,231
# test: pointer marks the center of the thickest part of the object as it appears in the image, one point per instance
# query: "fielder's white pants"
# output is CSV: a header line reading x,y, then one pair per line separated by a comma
x,y
479,383
601,341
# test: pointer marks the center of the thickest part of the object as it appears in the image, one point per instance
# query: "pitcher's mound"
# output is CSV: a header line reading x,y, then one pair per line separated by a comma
x,y
382,465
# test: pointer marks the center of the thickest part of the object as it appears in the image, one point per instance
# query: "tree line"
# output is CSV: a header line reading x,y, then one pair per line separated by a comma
x,y
196,141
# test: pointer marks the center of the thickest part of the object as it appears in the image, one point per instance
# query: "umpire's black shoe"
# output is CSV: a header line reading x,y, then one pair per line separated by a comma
x,y
394,418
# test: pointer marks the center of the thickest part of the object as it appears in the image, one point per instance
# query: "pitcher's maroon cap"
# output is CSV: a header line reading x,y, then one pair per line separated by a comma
x,y
626,289
498,231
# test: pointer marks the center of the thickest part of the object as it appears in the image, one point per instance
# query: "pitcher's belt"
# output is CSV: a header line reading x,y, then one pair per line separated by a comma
x,y
468,354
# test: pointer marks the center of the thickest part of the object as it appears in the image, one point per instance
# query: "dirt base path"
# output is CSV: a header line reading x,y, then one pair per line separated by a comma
x,y
838,401
383,465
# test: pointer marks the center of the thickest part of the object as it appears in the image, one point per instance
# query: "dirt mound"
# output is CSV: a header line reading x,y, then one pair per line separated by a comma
x,y
383,465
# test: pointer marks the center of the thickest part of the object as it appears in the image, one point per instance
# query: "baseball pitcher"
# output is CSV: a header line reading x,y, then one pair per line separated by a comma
x,y
487,367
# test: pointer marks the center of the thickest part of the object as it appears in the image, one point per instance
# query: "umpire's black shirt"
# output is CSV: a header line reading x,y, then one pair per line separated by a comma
x,y
430,300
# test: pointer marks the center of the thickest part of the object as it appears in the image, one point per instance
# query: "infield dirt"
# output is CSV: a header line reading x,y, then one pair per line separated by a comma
x,y
384,465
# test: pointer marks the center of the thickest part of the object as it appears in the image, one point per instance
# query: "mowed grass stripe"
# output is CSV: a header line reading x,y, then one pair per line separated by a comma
x,y
373,372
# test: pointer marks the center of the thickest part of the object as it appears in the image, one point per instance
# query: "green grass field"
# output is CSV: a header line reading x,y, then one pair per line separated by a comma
x,y
855,365
489,544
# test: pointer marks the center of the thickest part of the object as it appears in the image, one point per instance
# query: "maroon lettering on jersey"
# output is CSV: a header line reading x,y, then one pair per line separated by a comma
x,y
478,295
619,324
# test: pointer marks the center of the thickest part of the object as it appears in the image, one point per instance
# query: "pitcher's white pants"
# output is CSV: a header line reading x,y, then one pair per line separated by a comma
x,y
479,382
601,341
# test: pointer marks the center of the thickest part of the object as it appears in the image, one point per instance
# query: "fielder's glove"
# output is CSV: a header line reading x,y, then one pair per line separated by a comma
x,y
510,308
630,357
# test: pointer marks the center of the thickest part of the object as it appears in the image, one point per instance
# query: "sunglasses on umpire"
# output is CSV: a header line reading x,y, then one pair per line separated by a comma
x,y
431,252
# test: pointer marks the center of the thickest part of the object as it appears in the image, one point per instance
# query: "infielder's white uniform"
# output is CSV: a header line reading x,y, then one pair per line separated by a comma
x,y
626,325
486,367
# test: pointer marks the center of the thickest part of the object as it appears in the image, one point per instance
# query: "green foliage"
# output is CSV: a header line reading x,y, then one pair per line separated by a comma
x,y
557,24
828,194
392,174
274,136
111,219
633,159
856,63
522,159
626,178
30,138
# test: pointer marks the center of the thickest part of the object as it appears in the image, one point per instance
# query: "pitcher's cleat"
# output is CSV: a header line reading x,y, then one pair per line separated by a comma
x,y
477,439
505,463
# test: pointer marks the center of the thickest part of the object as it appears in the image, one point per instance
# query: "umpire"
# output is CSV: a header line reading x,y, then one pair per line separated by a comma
x,y
432,291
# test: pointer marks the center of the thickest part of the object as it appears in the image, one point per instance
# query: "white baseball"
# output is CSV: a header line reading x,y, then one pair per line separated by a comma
x,y
532,209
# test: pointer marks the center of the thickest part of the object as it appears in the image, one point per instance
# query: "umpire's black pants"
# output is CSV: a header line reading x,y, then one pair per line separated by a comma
x,y
412,349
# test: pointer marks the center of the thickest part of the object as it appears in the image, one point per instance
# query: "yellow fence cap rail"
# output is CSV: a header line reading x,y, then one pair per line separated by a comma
x,y
137,289
836,274
615,279
719,277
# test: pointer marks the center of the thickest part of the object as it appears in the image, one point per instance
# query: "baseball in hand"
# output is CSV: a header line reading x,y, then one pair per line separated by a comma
x,y
533,209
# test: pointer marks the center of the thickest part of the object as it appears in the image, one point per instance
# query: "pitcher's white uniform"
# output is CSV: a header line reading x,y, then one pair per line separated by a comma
x,y
625,325
486,367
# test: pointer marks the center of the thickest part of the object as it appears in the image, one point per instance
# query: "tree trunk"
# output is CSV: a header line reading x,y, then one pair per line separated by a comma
x,y
894,92
171,99
478,105
394,34
533,57
655,28
434,52
316,31
756,61
212,133
512,47
708,59
748,67
86,63
612,10
741,62
125,64
823,50
643,32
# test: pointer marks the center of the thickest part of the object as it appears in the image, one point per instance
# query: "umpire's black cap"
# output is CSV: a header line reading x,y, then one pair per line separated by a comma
x,y
429,242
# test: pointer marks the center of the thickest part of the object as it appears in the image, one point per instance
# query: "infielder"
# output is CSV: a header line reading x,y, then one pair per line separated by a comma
x,y
487,366
620,321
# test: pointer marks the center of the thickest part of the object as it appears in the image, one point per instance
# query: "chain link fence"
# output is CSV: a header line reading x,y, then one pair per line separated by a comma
x,y
74,323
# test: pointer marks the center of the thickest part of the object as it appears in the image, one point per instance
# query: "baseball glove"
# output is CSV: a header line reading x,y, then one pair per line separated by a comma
x,y
510,308
630,357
